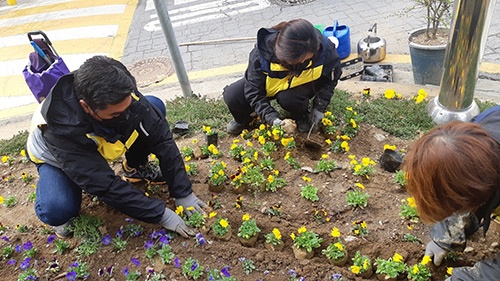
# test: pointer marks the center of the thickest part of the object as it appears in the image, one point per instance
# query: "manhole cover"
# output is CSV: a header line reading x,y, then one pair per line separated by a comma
x,y
151,70
291,2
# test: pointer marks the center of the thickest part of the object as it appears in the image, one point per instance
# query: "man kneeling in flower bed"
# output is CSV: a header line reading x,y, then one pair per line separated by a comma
x,y
95,115
454,174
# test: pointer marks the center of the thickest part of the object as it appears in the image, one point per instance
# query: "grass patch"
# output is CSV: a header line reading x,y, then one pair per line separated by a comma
x,y
14,145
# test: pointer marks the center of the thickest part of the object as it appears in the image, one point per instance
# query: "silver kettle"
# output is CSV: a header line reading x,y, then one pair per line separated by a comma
x,y
373,47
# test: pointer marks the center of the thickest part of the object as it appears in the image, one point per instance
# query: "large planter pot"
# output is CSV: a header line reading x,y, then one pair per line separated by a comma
x,y
427,61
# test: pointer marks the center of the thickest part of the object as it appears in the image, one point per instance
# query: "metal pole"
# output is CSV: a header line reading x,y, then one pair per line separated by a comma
x,y
173,48
468,33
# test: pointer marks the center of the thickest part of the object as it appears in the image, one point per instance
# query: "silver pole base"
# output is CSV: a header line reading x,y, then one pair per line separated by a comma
x,y
441,115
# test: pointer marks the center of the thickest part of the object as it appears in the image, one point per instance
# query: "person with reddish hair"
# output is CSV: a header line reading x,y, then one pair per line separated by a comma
x,y
453,172
292,63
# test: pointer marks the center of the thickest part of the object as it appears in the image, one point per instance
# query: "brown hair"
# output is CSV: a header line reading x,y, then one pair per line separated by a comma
x,y
296,38
452,168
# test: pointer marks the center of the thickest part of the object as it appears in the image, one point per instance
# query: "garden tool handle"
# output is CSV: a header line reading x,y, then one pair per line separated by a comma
x,y
310,130
39,32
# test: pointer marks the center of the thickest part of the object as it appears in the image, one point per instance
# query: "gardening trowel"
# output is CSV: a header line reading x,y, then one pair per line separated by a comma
x,y
310,142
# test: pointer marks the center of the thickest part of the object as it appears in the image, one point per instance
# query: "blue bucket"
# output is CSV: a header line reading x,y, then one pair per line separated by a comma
x,y
343,34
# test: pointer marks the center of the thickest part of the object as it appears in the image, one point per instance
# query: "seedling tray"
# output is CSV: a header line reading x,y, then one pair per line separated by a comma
x,y
387,77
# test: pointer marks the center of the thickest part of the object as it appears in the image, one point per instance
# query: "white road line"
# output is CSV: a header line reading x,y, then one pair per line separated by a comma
x,y
65,14
95,31
15,67
207,11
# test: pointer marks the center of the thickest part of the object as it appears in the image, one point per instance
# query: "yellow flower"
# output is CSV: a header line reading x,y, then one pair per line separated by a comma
x,y
23,153
153,156
349,108
419,99
223,223
262,140
355,269
276,172
397,257
365,161
306,179
233,146
415,269
207,129
5,158
212,214
249,143
399,96
357,167
339,246
367,91
270,178
389,147
187,159
190,208
287,155
366,264
187,167
292,236
277,233
359,185
1,200
328,113
327,122
363,224
353,123
356,231
256,155
236,141
246,160
194,141
351,156
324,156
449,270
179,210
389,94
411,202
425,260
221,172
410,226
246,217
328,141
302,229
335,232
286,141
223,164
345,137
262,127
345,145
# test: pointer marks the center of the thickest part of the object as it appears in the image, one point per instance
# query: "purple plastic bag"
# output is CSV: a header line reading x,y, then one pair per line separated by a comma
x,y
41,83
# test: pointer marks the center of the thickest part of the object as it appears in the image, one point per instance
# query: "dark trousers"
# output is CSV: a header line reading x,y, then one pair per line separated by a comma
x,y
295,101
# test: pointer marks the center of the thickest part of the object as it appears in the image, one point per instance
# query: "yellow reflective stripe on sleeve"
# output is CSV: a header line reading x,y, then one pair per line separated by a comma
x,y
134,96
133,137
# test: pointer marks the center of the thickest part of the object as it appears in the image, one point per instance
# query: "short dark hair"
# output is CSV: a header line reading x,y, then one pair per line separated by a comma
x,y
296,38
103,81
452,168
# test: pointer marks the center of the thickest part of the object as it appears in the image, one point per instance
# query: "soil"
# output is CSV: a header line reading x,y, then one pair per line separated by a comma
x,y
441,38
385,237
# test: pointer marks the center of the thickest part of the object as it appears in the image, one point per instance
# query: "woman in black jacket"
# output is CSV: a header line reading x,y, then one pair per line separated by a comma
x,y
292,62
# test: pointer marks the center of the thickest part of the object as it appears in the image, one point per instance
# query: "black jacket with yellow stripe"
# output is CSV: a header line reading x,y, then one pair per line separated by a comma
x,y
265,77
64,136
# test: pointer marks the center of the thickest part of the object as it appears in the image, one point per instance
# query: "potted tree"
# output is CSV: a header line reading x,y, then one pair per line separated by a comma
x,y
428,44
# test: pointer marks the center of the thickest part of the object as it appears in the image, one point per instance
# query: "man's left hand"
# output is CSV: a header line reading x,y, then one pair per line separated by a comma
x,y
191,201
316,116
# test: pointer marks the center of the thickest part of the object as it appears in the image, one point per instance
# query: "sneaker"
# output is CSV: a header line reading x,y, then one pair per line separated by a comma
x,y
63,230
303,125
235,128
150,173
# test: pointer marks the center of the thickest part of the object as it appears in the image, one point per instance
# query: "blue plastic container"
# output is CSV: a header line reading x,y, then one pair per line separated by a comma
x,y
343,34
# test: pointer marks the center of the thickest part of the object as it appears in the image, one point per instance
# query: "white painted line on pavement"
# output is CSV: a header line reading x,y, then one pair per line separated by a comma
x,y
206,11
20,6
95,31
65,14
11,102
15,67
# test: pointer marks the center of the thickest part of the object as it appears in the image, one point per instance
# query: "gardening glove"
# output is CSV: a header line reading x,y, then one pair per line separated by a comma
x,y
316,116
277,122
171,221
191,201
433,250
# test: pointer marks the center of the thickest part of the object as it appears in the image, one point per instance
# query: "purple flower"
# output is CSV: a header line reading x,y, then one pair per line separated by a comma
x,y
109,270
194,266
31,277
149,244
163,240
302,279
100,272
200,239
129,220
125,271
106,240
225,271
51,238
18,248
177,262
11,262
336,276
6,239
25,264
136,261
292,272
119,233
71,275
75,264
28,246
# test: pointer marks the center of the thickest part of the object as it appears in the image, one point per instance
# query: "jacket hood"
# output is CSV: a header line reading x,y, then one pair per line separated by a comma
x,y
265,42
62,110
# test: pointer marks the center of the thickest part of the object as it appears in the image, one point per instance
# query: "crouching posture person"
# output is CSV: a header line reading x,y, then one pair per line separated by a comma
x,y
292,62
454,176
95,115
